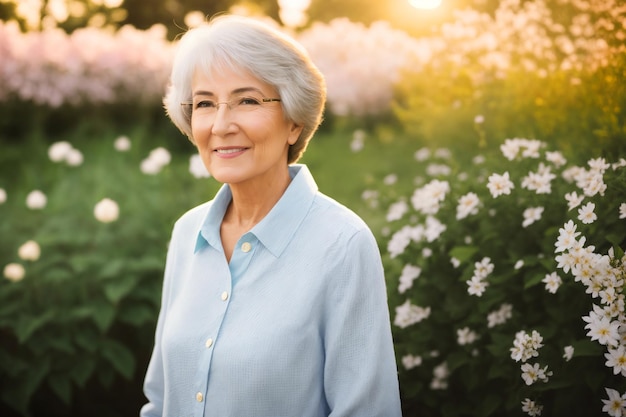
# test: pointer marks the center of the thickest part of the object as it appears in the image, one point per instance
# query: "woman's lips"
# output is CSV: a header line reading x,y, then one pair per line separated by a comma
x,y
230,152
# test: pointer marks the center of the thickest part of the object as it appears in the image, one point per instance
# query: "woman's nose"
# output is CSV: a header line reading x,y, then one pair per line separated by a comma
x,y
222,120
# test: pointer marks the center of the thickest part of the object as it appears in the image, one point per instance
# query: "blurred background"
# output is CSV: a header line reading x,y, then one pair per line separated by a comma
x,y
93,176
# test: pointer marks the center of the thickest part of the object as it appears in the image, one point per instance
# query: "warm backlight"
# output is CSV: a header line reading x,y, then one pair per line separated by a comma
x,y
425,4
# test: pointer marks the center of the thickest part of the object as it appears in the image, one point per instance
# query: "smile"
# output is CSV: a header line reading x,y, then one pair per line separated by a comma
x,y
230,150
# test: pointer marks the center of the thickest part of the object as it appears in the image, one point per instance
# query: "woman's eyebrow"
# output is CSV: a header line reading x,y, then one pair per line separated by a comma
x,y
236,91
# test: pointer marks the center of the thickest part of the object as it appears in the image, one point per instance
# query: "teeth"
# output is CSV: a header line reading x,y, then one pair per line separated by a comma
x,y
229,150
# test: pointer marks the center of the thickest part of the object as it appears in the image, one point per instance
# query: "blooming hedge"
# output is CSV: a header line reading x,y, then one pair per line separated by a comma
x,y
507,283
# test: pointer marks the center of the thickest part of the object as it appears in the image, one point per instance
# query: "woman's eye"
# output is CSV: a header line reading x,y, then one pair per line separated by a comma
x,y
205,104
248,101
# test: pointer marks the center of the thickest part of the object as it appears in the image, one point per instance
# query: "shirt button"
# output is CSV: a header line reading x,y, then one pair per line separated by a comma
x,y
199,397
225,296
245,247
208,343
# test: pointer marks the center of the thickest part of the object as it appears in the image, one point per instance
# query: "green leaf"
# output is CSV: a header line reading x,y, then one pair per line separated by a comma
x,y
82,370
103,315
586,348
112,268
489,404
532,279
18,394
62,387
119,356
463,253
117,289
137,314
28,325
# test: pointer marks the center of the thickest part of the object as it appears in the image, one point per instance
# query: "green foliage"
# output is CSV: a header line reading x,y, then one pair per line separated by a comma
x,y
480,374
85,311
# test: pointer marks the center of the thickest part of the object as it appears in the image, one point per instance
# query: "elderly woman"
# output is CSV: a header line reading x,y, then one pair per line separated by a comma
x,y
274,300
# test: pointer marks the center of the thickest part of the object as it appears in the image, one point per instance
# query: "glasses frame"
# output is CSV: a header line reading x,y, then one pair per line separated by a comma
x,y
189,112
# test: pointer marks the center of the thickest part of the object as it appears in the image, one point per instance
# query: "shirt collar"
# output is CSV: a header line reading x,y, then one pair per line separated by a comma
x,y
278,226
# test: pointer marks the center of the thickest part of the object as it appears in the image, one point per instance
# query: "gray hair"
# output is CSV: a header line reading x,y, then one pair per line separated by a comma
x,y
247,44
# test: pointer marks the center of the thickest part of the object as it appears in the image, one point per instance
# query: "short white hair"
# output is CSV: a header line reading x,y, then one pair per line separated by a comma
x,y
247,44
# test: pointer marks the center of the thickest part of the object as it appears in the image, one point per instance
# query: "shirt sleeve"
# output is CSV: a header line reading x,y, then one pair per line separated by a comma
x,y
360,372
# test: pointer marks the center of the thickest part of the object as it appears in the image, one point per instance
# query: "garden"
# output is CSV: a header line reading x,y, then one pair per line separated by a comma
x,y
488,156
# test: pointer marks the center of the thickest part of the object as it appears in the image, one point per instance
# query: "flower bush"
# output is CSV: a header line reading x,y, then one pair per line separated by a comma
x,y
497,265
81,258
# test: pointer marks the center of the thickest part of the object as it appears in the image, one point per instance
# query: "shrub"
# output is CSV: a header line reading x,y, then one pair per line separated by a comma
x,y
85,231
486,312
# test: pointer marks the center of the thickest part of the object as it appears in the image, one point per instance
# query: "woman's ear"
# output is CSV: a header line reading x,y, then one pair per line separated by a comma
x,y
294,133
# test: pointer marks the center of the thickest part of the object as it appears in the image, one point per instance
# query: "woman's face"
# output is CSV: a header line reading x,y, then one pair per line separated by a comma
x,y
241,139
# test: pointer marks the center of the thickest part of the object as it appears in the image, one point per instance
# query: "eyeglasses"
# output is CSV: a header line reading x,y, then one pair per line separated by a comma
x,y
206,107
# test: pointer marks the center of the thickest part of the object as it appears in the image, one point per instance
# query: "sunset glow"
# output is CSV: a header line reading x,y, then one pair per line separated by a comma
x,y
425,4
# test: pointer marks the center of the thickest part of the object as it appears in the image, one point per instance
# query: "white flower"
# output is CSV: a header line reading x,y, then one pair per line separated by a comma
x,y
466,336
358,141
150,166
468,204
64,152
197,168
455,262
479,119
622,210
122,144
74,157
408,314
411,361
540,182
397,210
567,237
616,359
552,281
3,196
534,373
568,352
573,200
519,264
106,211
433,229
36,200
409,274
436,170
500,316
500,184
427,198
483,268
529,148
156,160
476,286
58,151
526,346
29,251
531,215
14,272
602,329
615,406
422,154
390,179
586,213
556,158
531,408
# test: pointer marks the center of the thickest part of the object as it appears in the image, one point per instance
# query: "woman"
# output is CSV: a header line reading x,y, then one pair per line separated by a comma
x,y
274,299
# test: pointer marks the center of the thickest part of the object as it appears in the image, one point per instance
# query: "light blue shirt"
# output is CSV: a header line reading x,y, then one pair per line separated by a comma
x,y
296,325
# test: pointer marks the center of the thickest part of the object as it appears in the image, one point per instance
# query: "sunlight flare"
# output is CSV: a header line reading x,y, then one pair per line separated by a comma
x,y
425,4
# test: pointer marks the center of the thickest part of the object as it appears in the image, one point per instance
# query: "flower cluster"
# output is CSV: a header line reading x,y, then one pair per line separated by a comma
x,y
88,66
495,232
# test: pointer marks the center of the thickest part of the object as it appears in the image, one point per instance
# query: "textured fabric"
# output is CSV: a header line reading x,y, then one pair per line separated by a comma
x,y
296,325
